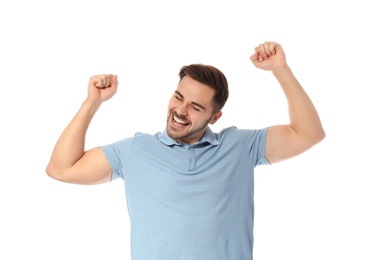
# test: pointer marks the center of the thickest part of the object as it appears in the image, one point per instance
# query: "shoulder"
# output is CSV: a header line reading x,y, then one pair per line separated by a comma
x,y
141,137
146,140
235,132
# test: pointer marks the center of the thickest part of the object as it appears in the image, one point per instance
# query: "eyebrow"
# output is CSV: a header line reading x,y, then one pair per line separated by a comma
x,y
194,103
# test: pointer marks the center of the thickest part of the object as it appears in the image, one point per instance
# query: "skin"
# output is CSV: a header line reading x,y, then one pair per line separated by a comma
x,y
305,128
190,110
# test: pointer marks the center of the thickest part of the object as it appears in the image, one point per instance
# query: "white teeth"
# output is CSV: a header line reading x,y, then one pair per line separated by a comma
x,y
179,120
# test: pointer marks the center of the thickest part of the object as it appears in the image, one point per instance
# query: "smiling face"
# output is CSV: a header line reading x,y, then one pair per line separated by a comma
x,y
190,111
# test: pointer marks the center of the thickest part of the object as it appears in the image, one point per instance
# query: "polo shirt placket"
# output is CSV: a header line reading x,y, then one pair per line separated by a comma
x,y
191,159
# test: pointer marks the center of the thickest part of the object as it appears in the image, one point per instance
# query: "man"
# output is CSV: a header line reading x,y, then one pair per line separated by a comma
x,y
190,191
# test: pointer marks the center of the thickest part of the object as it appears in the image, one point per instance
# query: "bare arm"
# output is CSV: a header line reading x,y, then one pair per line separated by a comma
x,y
69,161
305,128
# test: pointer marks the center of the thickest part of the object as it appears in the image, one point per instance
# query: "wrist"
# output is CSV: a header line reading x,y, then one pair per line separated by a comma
x,y
93,104
285,70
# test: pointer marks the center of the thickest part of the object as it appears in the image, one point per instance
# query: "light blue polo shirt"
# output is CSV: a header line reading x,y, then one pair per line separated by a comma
x,y
190,202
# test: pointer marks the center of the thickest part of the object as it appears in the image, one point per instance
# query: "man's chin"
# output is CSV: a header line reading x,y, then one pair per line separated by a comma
x,y
174,134
171,133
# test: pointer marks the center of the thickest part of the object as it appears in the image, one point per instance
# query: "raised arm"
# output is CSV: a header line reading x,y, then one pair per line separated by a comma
x,y
305,128
69,161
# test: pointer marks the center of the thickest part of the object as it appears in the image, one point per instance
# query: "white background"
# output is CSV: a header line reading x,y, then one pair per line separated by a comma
x,y
309,207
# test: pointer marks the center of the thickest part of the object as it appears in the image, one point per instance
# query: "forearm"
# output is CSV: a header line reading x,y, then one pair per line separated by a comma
x,y
304,118
70,146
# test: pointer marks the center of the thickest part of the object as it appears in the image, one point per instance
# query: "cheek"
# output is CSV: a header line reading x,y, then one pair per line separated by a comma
x,y
196,119
172,103
170,106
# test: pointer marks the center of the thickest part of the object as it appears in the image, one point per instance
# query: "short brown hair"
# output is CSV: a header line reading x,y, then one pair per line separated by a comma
x,y
210,76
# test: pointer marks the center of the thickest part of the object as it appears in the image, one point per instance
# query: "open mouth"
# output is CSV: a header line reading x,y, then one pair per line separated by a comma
x,y
179,122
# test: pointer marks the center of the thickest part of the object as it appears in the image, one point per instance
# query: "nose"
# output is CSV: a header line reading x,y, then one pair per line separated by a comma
x,y
182,110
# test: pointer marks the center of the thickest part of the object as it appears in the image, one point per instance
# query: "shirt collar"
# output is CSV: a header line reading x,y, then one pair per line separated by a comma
x,y
208,137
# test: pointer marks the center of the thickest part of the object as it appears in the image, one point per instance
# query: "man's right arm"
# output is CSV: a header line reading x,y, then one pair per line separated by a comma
x,y
69,161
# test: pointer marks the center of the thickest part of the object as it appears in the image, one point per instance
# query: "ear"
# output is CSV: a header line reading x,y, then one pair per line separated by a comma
x,y
215,117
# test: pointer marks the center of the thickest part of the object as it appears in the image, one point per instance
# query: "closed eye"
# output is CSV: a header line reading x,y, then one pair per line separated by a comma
x,y
178,97
196,108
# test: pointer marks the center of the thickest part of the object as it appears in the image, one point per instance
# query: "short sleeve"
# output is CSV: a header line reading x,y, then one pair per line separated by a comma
x,y
117,155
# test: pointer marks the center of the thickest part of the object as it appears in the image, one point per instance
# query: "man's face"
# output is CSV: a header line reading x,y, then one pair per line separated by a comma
x,y
190,110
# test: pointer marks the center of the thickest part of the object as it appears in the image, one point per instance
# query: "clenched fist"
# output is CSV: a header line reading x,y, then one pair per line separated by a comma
x,y
102,87
269,56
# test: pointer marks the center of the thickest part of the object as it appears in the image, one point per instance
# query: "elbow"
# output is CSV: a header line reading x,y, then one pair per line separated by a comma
x,y
50,171
321,135
318,136
53,172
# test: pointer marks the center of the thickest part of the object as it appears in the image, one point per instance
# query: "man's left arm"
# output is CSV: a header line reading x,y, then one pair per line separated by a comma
x,y
305,128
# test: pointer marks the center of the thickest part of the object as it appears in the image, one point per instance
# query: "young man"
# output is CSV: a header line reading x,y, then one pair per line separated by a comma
x,y
190,191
